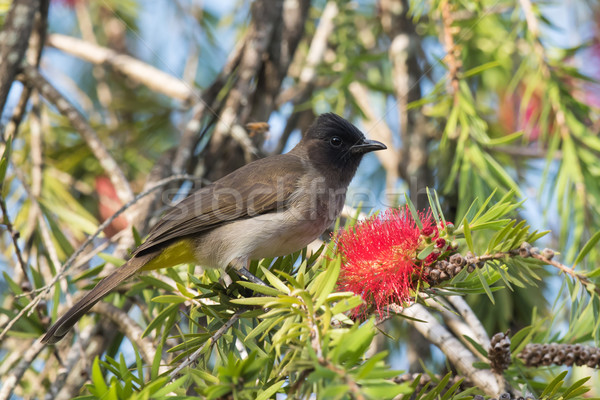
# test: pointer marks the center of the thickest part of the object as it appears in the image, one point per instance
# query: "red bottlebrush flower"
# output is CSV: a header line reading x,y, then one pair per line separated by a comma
x,y
379,256
440,243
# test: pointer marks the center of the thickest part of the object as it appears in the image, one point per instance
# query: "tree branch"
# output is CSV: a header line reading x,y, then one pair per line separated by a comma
x,y
134,69
457,354
308,75
14,235
33,55
471,319
14,39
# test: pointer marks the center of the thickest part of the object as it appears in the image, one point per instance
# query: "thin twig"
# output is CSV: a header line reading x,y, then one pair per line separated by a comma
x,y
527,251
74,356
129,327
116,175
61,272
209,342
452,50
16,373
105,96
14,235
315,342
567,270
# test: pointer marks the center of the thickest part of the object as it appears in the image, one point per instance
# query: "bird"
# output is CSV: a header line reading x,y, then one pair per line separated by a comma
x,y
268,208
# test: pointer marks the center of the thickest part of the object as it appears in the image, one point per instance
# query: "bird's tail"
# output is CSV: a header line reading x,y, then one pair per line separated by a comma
x,y
66,322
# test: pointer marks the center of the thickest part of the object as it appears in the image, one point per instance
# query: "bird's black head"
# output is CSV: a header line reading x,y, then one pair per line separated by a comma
x,y
334,144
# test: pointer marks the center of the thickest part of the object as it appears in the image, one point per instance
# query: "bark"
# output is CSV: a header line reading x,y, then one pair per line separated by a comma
x,y
14,39
273,35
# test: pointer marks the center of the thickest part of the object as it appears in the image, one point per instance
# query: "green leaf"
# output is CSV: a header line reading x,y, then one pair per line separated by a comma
x,y
484,205
575,389
156,361
329,281
254,301
368,366
476,344
505,139
204,375
413,211
162,316
100,386
433,206
426,251
3,168
467,233
169,299
553,386
480,68
5,160
138,362
157,283
354,343
275,281
591,244
346,305
269,291
89,273
485,285
165,390
270,391
264,326
384,390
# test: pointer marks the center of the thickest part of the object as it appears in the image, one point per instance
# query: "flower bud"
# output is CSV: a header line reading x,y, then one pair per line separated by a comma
x,y
427,231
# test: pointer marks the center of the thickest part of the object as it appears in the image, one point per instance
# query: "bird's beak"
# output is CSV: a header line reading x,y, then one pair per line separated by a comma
x,y
367,146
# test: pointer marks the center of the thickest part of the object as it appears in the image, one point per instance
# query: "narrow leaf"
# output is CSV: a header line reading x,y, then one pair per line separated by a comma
x,y
587,248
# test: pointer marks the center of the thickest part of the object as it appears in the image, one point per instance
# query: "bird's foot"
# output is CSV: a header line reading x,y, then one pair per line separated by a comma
x,y
243,272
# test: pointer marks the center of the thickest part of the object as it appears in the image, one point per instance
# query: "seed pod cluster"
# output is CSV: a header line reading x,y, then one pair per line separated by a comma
x,y
527,250
444,270
537,354
499,352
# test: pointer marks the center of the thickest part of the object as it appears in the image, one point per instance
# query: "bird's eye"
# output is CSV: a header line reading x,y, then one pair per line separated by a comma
x,y
336,141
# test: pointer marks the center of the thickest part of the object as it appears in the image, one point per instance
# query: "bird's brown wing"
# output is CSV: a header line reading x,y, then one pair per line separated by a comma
x,y
260,187
257,188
